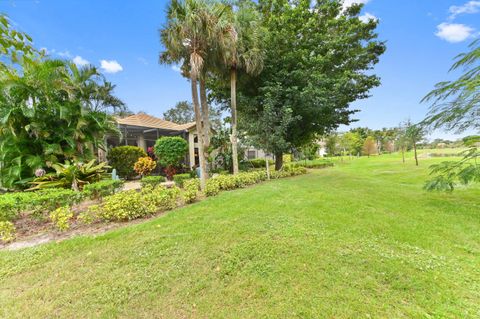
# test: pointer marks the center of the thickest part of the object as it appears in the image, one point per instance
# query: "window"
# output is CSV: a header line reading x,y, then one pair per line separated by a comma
x,y
251,154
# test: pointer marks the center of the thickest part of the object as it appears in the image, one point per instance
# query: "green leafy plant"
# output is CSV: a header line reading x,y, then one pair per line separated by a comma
x,y
190,190
61,218
7,231
123,159
212,187
259,163
144,166
90,215
170,150
102,188
162,198
179,179
37,202
152,180
72,175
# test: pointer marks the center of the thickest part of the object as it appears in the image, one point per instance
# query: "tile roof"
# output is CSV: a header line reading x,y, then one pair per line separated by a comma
x,y
145,120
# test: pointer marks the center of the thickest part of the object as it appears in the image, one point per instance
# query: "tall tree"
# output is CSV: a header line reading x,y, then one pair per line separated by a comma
x,y
314,67
191,36
181,113
414,133
243,51
456,107
369,146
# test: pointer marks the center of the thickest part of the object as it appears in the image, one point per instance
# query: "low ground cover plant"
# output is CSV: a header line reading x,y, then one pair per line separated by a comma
x,y
7,231
190,190
61,218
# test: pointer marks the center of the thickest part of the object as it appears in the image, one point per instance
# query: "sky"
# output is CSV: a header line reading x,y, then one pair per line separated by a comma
x,y
121,38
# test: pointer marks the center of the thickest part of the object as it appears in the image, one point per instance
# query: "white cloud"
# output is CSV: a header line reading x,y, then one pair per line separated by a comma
x,y
176,68
367,17
468,8
349,3
65,54
78,60
453,32
111,66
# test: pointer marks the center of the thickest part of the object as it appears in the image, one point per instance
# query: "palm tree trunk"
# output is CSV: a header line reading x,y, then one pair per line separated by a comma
x,y
198,120
205,113
205,119
233,98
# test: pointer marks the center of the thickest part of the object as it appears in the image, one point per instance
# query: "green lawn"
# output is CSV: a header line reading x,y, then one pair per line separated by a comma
x,y
358,240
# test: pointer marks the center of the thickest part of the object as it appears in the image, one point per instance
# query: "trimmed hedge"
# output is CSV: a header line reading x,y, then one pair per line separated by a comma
x,y
123,159
153,181
102,188
42,201
131,204
179,179
259,162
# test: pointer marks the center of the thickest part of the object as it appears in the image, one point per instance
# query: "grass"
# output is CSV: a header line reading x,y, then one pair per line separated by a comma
x,y
361,239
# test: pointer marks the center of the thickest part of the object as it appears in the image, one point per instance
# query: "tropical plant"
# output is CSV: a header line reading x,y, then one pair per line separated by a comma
x,y
123,159
414,133
191,36
170,150
144,166
72,175
47,117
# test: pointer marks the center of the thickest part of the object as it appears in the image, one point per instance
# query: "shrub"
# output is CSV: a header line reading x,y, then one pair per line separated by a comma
x,y
226,182
190,190
7,231
144,166
90,215
152,181
181,178
162,198
318,165
42,201
212,187
102,188
259,163
124,206
61,218
131,204
123,159
170,150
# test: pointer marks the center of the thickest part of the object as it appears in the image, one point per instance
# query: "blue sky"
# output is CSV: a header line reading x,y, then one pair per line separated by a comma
x,y
423,36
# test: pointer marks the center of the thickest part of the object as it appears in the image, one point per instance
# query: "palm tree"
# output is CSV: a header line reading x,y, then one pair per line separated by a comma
x,y
244,51
191,36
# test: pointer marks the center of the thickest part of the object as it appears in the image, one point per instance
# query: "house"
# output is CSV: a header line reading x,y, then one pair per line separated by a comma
x,y
143,130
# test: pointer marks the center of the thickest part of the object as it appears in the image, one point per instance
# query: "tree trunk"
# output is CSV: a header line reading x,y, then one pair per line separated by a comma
x,y
415,152
403,154
198,120
233,100
267,164
278,161
205,114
